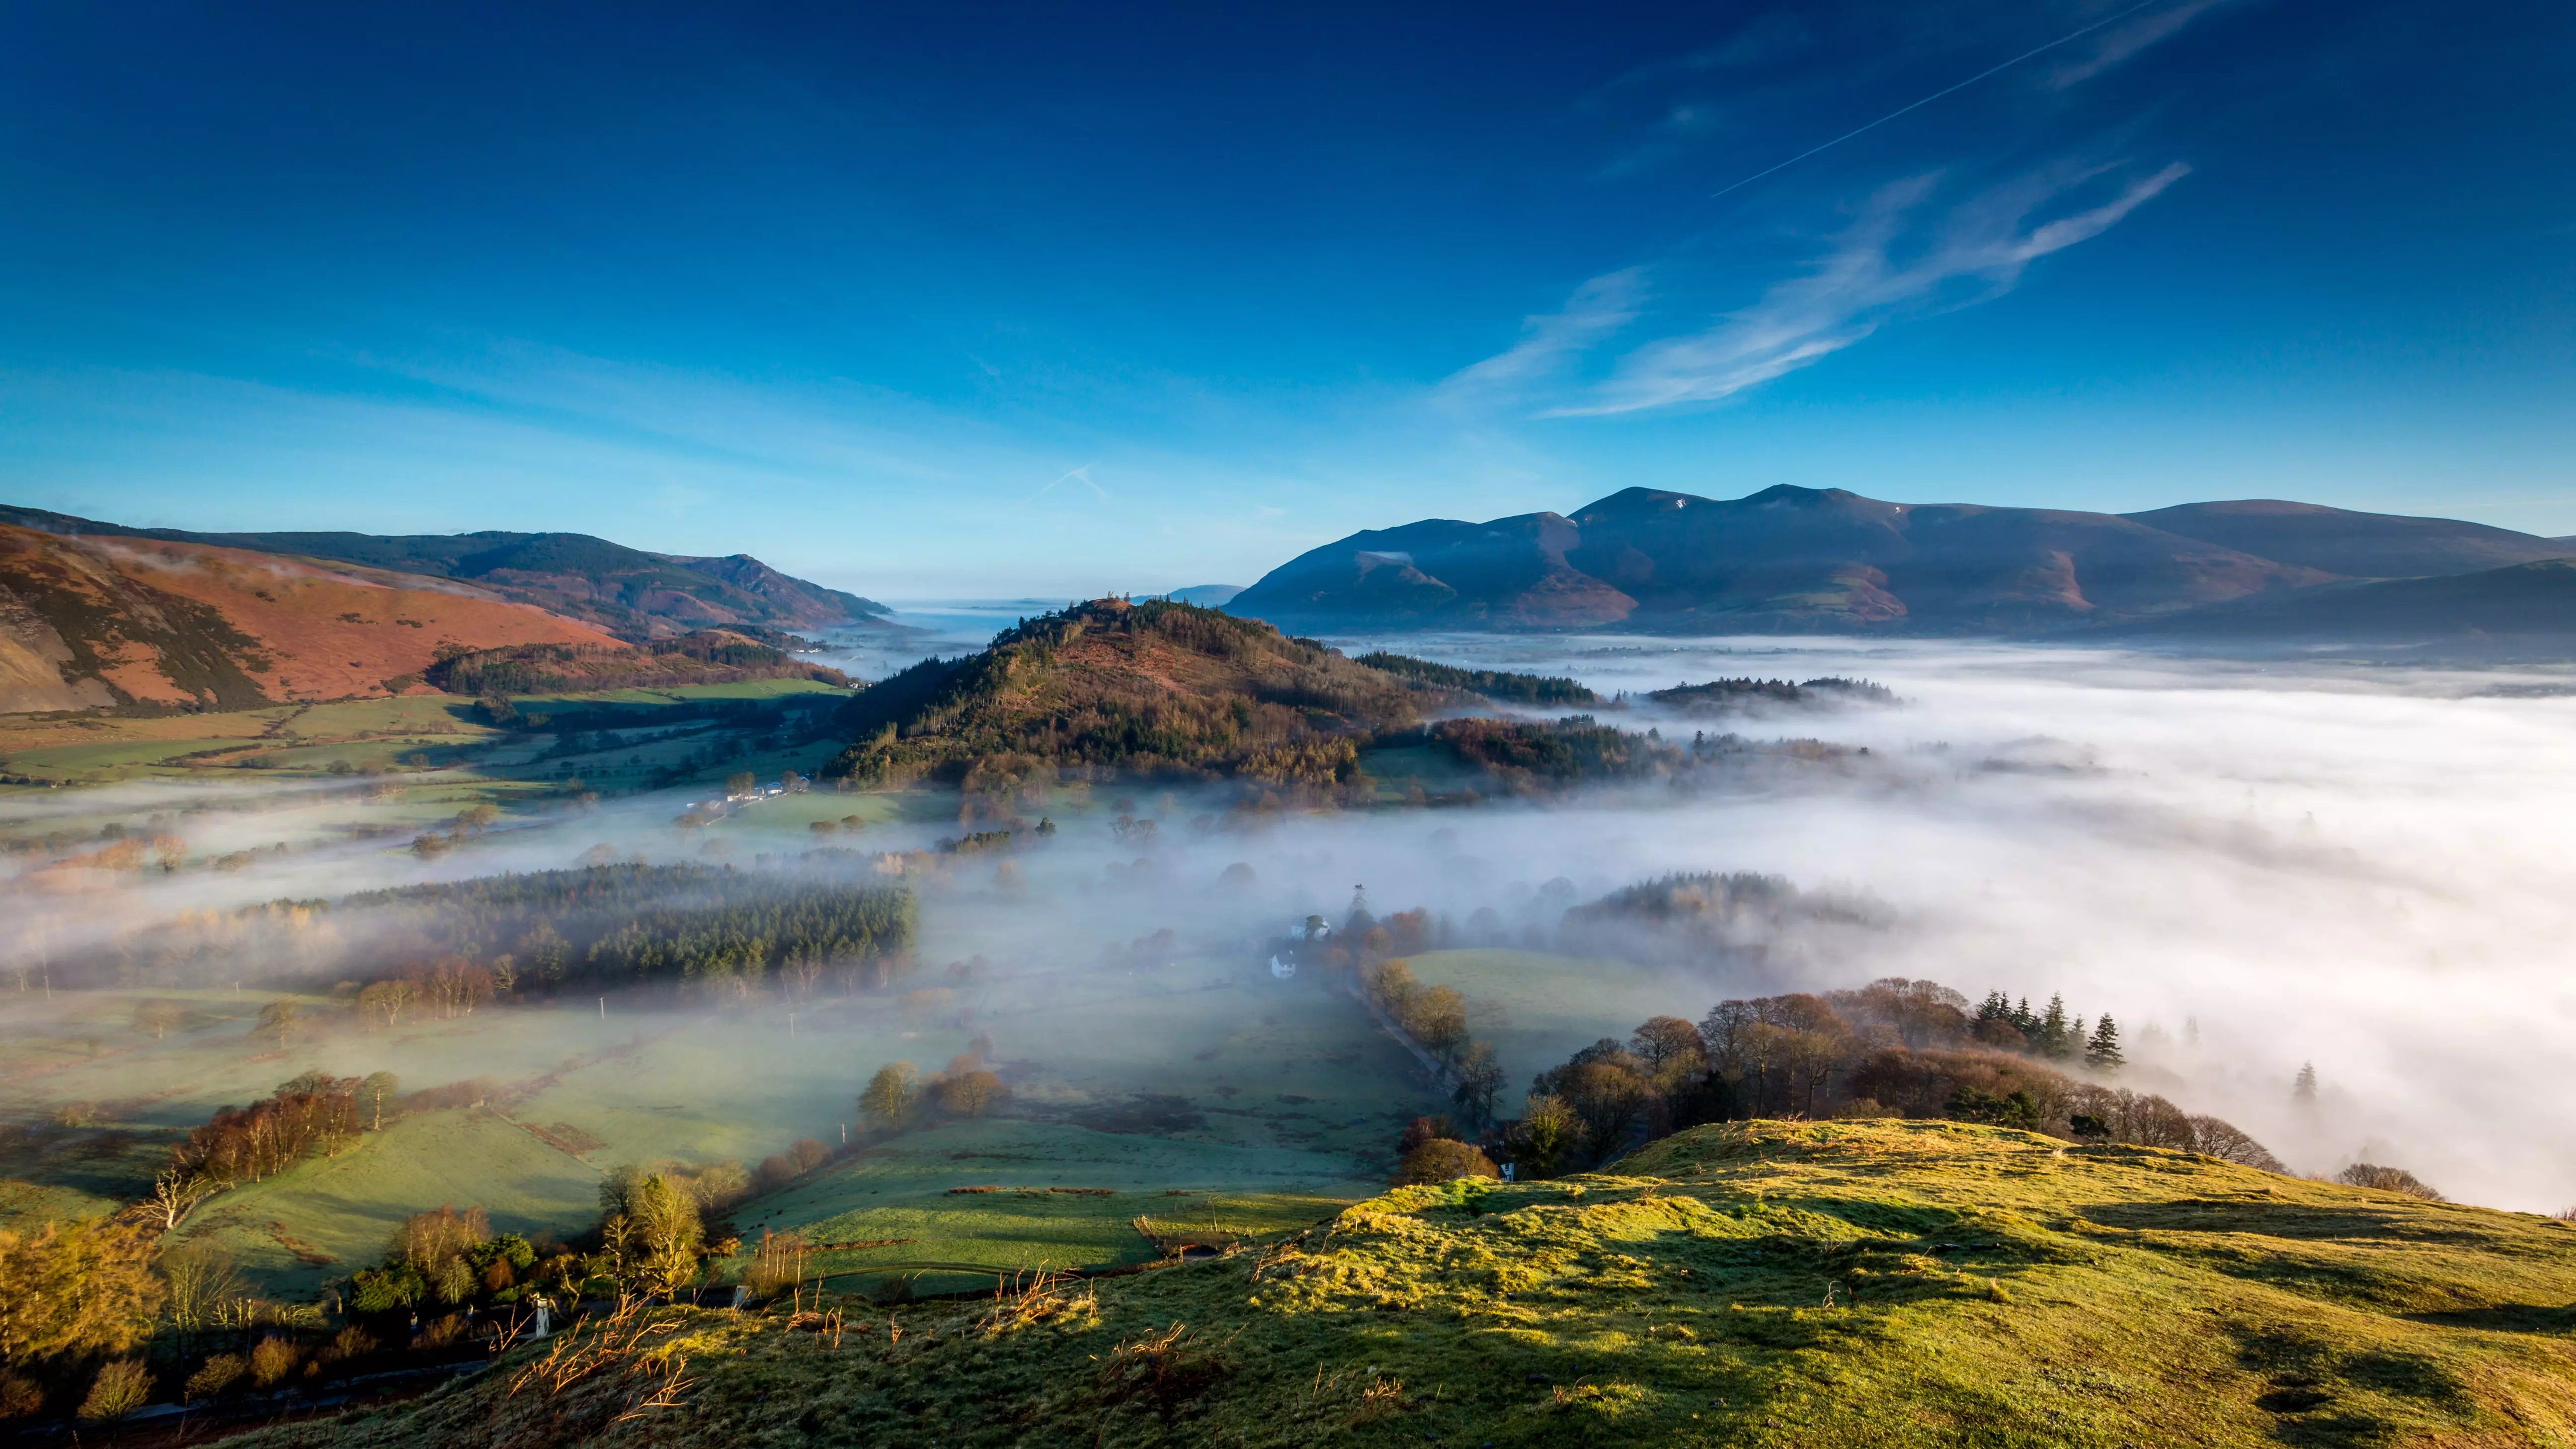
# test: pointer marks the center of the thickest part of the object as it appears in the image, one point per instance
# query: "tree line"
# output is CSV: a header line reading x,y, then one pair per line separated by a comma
x,y
1893,1048
710,930
1494,684
709,656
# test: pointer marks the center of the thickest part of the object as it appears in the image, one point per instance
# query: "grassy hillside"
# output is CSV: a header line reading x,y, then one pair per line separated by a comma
x,y
123,621
1774,1283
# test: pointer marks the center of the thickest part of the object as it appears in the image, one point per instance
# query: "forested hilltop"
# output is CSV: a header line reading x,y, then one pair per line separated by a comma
x,y
1147,687
1165,688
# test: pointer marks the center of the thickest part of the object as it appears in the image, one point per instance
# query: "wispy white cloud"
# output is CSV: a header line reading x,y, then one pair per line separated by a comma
x,y
1550,340
1881,267
1081,475
2121,42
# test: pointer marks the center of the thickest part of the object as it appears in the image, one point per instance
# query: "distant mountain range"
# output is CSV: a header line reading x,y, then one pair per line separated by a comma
x,y
96,615
626,591
1802,560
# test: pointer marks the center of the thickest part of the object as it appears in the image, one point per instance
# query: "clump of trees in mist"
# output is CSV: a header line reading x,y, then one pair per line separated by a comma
x,y
1493,684
897,1098
1696,915
310,1114
709,656
1893,1048
707,930
1740,696
1522,755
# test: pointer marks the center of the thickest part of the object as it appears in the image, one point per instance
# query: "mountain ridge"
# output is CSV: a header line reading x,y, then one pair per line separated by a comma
x,y
1788,558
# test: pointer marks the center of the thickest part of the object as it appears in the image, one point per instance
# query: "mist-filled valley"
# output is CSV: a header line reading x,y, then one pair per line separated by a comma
x,y
2252,868
1144,935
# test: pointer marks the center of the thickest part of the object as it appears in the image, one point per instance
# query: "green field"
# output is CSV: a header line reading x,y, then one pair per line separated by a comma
x,y
1539,1009
405,733
905,1190
1209,1078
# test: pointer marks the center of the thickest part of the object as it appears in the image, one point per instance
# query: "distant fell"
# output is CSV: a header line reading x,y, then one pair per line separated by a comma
x,y
1206,596
1793,560
2517,610
1783,559
626,591
2356,545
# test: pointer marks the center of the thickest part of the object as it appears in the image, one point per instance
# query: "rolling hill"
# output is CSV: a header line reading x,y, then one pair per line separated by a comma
x,y
106,621
1877,1282
1155,686
1799,559
625,591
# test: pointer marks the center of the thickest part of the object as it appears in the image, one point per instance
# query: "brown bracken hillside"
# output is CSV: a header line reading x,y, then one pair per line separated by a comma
x,y
102,621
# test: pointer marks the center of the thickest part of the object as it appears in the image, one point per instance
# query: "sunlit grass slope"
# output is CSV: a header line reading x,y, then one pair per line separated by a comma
x,y
1883,1283
906,1197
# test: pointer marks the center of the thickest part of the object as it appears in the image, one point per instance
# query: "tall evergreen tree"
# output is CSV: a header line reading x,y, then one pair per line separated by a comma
x,y
2102,1052
2305,1090
2055,1038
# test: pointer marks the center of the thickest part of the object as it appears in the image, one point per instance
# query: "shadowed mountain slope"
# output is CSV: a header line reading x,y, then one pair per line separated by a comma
x,y
1818,1284
629,592
2356,545
1782,559
2530,605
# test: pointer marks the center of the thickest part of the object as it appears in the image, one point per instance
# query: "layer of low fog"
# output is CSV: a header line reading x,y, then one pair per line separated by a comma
x,y
2362,867
2248,867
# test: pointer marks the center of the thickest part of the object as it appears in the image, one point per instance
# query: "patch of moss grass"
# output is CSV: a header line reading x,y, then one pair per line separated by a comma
x,y
1871,1283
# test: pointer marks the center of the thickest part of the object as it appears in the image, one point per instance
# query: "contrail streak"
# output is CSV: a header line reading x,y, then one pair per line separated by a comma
x,y
1936,95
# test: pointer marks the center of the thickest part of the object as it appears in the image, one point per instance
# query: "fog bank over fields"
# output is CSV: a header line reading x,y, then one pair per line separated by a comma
x,y
2250,867
2363,867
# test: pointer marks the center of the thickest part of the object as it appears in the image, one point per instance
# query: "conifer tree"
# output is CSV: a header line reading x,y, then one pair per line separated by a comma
x,y
2102,1052
2055,1039
2305,1091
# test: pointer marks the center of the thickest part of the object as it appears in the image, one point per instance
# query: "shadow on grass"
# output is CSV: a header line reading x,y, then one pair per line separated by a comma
x,y
2505,1318
2282,1220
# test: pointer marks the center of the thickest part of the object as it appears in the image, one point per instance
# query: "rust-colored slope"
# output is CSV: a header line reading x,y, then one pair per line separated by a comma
x,y
110,620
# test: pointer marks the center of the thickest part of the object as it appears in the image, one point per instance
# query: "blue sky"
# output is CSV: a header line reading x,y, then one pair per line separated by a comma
x,y
970,300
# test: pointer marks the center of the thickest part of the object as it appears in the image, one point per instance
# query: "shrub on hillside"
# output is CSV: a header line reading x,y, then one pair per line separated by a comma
x,y
122,1387
1442,1160
217,1374
2388,1179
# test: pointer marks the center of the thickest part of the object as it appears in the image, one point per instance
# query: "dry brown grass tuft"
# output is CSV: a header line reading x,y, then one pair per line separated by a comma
x,y
1162,1370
